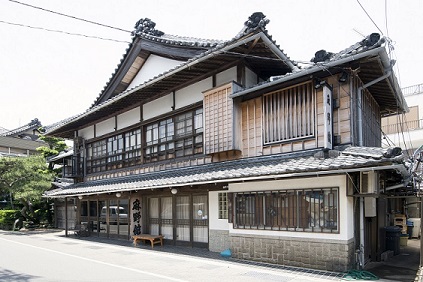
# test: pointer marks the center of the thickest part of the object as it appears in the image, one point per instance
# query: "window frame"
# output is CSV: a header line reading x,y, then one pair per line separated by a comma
x,y
173,137
103,155
302,210
289,114
223,205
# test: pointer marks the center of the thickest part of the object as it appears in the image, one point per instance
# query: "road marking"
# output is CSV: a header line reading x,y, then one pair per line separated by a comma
x,y
96,261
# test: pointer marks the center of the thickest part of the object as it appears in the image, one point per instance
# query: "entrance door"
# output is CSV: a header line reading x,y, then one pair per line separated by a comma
x,y
160,217
182,219
200,223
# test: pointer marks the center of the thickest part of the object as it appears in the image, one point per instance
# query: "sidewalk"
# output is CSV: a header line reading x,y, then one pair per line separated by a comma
x,y
402,267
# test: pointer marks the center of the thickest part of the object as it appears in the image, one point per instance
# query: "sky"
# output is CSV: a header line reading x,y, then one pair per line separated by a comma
x,y
55,75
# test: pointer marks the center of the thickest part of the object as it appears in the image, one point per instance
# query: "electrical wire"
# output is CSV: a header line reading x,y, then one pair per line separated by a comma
x,y
68,16
369,16
386,18
64,32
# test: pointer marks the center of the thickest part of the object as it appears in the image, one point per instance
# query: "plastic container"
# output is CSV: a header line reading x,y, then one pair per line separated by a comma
x,y
393,235
416,229
403,240
410,226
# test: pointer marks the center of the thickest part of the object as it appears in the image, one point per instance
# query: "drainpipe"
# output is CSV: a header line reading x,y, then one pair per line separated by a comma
x,y
360,143
421,230
359,104
361,259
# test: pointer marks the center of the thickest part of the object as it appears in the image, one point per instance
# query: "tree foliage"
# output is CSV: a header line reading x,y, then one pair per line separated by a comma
x,y
25,179
54,147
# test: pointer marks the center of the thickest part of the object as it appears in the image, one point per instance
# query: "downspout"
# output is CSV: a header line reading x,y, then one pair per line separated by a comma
x,y
361,259
66,217
360,144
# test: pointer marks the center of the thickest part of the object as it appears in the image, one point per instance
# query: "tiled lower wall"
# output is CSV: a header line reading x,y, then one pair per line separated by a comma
x,y
316,254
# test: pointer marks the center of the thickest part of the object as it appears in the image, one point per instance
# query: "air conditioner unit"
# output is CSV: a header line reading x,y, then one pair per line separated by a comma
x,y
368,182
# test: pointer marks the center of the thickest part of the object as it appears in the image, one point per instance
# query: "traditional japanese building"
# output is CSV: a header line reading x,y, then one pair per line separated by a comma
x,y
231,144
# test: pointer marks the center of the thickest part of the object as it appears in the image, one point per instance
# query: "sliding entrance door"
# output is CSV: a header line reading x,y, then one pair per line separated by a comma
x,y
200,221
160,216
183,219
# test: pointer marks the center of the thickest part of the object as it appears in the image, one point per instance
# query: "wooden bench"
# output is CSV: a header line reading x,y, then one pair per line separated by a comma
x,y
154,239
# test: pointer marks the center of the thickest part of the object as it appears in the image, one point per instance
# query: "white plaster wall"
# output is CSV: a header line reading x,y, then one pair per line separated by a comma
x,y
154,66
157,107
105,127
193,93
214,222
87,132
250,78
226,76
128,118
345,205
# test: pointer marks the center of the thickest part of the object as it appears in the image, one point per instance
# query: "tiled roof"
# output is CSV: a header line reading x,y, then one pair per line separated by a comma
x,y
61,155
33,124
212,47
322,57
275,166
14,142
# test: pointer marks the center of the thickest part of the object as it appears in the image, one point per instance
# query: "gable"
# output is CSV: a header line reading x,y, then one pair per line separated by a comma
x,y
153,66
251,54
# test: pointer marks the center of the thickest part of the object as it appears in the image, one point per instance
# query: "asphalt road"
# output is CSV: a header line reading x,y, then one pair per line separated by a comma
x,y
53,257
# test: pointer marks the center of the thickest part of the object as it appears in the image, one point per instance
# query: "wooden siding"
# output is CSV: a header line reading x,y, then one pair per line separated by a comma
x,y
371,121
218,120
252,132
133,70
341,114
251,123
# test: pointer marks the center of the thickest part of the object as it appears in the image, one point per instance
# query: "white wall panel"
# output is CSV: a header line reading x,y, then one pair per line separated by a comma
x,y
105,127
250,78
128,118
193,93
158,107
214,221
87,132
226,76
154,66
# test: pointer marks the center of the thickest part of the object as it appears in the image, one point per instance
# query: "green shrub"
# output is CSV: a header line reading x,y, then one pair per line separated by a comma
x,y
7,218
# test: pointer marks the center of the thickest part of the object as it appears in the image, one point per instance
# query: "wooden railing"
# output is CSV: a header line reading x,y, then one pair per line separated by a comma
x,y
403,127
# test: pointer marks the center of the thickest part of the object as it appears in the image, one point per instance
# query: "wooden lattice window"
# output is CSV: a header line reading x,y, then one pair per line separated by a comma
x,y
223,205
177,136
289,114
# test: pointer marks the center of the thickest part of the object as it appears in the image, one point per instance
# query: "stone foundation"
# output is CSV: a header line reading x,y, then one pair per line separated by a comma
x,y
330,255
219,240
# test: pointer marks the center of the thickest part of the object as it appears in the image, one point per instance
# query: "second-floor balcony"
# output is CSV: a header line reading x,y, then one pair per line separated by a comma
x,y
403,126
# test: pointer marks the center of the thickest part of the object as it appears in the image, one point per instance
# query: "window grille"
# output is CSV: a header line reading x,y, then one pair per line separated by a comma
x,y
289,114
308,210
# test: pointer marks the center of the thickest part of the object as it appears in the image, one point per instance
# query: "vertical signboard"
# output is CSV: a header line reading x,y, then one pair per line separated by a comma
x,y
327,112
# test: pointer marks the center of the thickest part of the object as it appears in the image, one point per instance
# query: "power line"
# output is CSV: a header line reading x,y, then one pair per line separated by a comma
x,y
68,16
369,16
64,32
386,18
